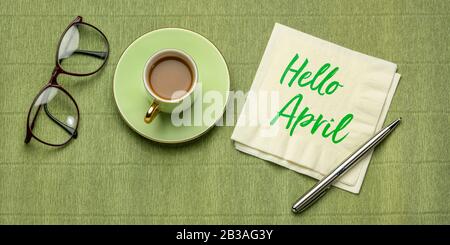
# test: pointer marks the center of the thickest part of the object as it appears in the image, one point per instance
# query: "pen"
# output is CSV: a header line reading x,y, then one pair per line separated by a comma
x,y
324,184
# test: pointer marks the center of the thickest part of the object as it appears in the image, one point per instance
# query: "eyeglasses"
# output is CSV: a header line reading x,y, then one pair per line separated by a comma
x,y
53,116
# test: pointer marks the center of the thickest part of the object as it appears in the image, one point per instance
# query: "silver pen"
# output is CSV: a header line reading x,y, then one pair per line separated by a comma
x,y
323,185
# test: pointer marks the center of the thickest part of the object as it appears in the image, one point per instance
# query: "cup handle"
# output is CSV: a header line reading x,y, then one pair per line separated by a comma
x,y
151,113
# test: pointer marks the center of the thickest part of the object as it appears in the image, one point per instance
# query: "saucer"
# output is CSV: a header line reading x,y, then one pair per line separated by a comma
x,y
133,101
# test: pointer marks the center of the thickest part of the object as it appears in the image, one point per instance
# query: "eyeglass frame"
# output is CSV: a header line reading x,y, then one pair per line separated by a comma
x,y
54,83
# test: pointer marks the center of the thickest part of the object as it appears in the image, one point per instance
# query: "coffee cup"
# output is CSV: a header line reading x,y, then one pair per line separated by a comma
x,y
170,77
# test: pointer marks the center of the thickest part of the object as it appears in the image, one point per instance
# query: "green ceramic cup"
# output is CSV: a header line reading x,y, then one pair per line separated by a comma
x,y
180,103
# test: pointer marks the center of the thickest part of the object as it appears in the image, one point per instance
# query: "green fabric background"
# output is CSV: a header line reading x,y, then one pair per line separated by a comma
x,y
112,175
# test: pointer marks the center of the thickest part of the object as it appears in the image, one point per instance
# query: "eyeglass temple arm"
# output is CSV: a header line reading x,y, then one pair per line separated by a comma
x,y
28,136
67,128
96,54
35,116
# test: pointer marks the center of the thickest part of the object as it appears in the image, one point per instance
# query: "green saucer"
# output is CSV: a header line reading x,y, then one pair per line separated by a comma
x,y
133,100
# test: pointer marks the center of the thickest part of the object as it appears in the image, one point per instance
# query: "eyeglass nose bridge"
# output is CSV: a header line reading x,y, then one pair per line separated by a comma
x,y
55,73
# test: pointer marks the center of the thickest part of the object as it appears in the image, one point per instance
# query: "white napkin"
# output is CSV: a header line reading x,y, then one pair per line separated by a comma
x,y
357,95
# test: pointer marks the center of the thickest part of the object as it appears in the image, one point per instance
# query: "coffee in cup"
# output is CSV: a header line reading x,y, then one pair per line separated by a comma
x,y
170,77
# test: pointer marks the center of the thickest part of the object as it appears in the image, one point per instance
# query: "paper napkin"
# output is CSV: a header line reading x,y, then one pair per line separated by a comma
x,y
312,103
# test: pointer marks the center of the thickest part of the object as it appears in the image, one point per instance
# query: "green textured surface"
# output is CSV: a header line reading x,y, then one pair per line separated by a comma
x,y
112,175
